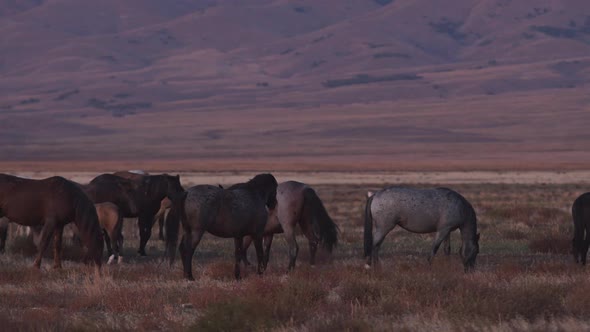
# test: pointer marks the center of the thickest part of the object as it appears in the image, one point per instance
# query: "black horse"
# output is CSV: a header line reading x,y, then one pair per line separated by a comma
x,y
235,213
581,216
135,198
51,204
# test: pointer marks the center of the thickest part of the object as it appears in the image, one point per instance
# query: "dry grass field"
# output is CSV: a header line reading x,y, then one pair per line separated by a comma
x,y
525,277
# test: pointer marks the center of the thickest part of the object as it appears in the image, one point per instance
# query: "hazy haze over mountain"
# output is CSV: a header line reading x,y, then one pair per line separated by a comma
x,y
479,83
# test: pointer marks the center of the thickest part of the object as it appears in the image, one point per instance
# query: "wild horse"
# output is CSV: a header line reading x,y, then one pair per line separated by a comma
x,y
135,198
52,203
439,210
298,204
165,205
236,212
581,216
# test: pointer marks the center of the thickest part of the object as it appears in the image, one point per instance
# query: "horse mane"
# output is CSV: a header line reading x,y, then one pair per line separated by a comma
x,y
86,220
261,183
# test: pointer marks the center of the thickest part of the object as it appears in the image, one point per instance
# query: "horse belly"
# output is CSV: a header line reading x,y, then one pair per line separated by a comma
x,y
419,225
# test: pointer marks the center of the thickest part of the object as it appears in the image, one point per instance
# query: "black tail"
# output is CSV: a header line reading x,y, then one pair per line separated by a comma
x,y
173,219
320,219
368,228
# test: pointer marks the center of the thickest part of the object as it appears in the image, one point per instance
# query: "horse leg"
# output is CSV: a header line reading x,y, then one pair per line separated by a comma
x,y
585,249
107,242
57,241
188,245
239,253
268,243
161,227
312,239
46,234
447,245
441,235
259,254
3,234
379,237
117,238
145,232
293,247
246,245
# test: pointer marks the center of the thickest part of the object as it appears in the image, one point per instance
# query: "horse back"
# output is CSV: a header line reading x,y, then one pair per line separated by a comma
x,y
31,202
224,213
419,210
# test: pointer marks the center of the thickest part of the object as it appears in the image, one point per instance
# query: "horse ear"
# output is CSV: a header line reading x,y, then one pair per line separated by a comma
x,y
370,194
178,177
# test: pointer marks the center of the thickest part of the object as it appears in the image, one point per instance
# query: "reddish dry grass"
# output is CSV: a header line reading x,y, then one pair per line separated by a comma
x,y
526,283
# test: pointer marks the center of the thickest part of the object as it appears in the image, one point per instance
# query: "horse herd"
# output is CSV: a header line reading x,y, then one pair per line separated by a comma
x,y
247,212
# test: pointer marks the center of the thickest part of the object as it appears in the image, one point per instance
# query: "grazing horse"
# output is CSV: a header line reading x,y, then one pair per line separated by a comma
x,y
439,210
135,198
52,203
137,175
111,222
581,216
298,203
229,213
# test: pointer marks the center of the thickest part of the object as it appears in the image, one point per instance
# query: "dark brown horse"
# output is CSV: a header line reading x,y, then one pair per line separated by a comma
x,y
137,175
52,203
298,204
135,198
235,213
581,216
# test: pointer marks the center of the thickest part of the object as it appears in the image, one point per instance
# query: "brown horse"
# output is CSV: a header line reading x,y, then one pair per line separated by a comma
x,y
111,222
135,198
235,213
165,205
298,204
52,203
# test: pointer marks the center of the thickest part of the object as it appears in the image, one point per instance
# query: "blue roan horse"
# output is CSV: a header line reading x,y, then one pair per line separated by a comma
x,y
439,210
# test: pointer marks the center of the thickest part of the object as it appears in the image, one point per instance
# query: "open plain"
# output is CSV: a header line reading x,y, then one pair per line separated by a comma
x,y
525,277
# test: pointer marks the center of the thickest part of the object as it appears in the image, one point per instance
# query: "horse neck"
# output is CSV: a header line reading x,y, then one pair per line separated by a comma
x,y
468,230
157,188
83,218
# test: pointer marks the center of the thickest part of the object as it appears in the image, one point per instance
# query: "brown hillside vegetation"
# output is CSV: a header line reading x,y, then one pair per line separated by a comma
x,y
372,82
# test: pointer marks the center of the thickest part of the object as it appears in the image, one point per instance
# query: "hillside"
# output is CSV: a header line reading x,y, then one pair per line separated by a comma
x,y
358,84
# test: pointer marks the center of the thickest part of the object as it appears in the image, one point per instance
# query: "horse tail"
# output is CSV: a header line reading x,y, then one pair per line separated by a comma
x,y
368,228
173,219
86,220
317,214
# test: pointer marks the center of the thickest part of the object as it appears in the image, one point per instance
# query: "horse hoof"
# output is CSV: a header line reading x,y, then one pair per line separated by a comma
x,y
111,260
120,260
367,267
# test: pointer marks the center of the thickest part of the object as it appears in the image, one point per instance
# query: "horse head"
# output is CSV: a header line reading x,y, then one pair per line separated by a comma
x,y
469,251
266,185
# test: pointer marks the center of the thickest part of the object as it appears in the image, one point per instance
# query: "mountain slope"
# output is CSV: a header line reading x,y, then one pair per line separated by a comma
x,y
481,82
